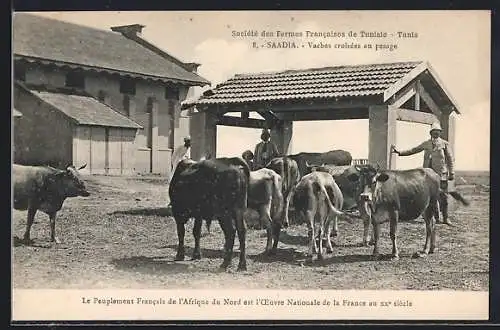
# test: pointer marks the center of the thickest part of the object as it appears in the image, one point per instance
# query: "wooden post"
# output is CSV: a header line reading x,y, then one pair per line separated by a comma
x,y
448,126
382,134
203,131
281,134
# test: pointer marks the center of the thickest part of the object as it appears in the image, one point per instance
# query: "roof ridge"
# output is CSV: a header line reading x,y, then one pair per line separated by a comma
x,y
325,68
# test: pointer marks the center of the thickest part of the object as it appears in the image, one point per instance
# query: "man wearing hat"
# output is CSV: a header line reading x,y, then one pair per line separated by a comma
x,y
180,153
438,156
264,150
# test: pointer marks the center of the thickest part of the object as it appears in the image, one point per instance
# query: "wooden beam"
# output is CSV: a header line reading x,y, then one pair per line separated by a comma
x,y
364,102
240,122
414,116
405,80
407,93
338,114
428,99
417,102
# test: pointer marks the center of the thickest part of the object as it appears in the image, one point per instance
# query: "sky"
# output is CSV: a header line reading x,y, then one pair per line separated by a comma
x,y
455,43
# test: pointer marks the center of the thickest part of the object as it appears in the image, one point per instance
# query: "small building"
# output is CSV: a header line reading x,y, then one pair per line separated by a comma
x,y
79,127
110,99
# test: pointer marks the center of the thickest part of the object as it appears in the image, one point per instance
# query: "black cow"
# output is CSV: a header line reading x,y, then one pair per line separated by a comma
x,y
211,189
45,188
333,157
288,170
403,195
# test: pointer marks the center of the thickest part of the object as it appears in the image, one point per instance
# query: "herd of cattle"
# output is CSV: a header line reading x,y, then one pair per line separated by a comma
x,y
223,188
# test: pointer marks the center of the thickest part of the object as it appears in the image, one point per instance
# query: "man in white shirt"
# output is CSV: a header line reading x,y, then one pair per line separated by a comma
x,y
180,153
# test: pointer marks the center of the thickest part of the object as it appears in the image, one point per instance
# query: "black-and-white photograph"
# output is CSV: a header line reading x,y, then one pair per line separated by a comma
x,y
248,151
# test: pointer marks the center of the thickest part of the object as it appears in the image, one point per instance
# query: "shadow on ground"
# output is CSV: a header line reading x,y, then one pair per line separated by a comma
x,y
150,265
147,211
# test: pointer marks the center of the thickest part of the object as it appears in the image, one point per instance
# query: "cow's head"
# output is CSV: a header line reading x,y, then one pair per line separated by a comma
x,y
315,167
70,182
365,178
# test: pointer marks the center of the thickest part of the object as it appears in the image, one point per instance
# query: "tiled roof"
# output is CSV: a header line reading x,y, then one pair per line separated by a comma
x,y
86,110
330,82
40,38
16,113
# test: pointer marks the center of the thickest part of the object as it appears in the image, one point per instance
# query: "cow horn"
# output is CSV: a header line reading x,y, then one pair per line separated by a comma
x,y
82,167
307,164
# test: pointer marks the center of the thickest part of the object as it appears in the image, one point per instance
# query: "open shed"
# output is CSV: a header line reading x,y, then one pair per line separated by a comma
x,y
381,93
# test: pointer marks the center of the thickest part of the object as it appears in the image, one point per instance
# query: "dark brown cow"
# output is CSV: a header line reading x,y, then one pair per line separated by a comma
x,y
211,189
318,198
333,157
289,172
403,195
45,188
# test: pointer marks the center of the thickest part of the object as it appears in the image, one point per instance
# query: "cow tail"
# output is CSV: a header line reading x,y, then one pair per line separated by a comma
x,y
456,195
329,202
285,180
277,201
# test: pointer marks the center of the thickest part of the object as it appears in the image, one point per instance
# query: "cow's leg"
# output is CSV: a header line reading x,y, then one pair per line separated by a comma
x,y
429,228
393,233
309,215
265,219
229,234
29,222
286,219
323,223
376,238
329,246
53,237
197,234
276,236
181,231
432,221
242,231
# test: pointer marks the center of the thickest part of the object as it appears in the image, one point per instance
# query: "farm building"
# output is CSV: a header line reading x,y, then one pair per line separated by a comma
x,y
110,99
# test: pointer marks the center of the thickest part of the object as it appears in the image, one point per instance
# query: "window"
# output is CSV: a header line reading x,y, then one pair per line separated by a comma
x,y
127,86
172,93
101,96
75,79
19,72
171,115
126,105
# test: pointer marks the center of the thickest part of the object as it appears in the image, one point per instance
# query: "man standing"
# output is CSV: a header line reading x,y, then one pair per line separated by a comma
x,y
180,153
438,156
264,150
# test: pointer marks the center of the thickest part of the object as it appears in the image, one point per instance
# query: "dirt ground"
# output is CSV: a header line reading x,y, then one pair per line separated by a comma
x,y
122,237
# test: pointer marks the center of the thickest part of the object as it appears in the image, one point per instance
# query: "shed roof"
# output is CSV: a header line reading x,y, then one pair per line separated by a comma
x,y
85,110
39,39
319,83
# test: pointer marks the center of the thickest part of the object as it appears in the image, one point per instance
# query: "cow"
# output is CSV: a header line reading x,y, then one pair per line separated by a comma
x,y
45,188
333,157
352,192
318,199
403,195
265,197
288,170
211,189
